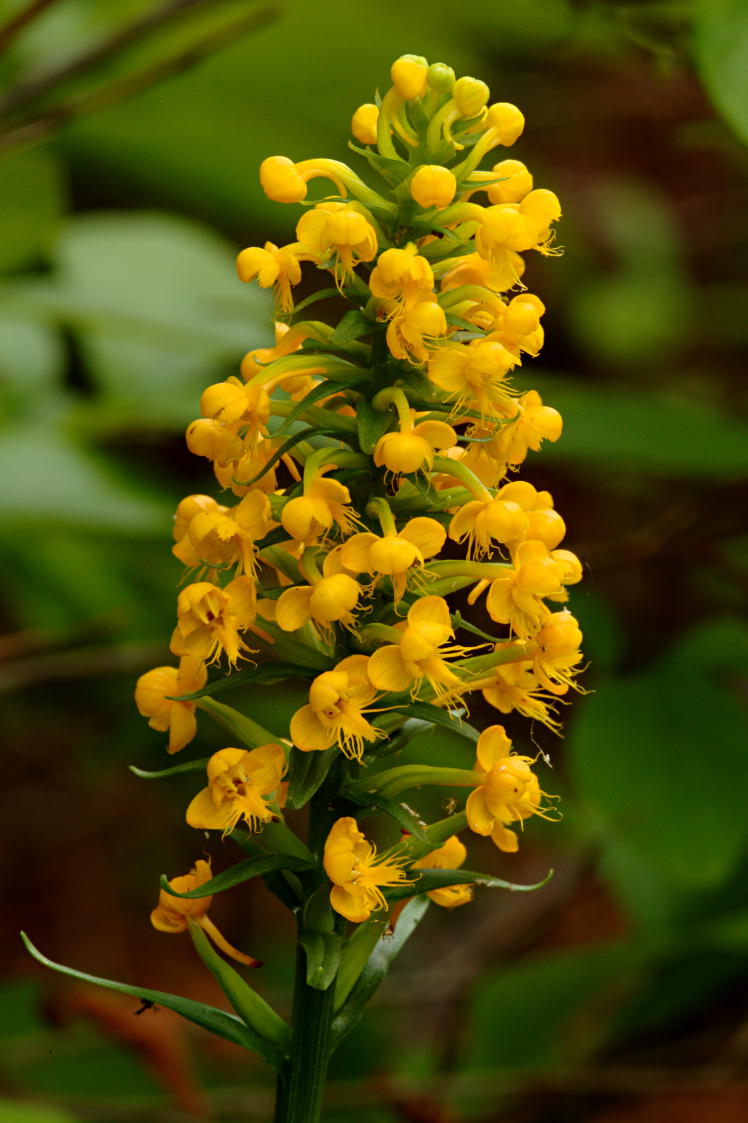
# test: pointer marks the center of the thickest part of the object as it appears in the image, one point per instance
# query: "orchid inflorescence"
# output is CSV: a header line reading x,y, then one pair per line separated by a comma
x,y
369,472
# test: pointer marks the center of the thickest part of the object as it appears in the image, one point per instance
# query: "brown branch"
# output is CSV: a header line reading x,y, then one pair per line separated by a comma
x,y
139,29
21,19
54,118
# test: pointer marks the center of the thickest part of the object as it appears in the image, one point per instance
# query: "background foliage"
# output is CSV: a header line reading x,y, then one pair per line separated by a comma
x,y
615,993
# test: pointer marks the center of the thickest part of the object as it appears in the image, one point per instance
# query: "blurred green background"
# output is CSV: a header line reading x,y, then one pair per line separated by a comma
x,y
618,993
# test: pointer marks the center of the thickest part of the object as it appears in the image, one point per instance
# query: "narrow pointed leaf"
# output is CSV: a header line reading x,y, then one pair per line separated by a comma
x,y
400,812
266,673
427,880
437,834
241,872
322,390
270,1034
377,966
353,325
188,766
435,715
241,726
322,950
372,424
307,772
222,1024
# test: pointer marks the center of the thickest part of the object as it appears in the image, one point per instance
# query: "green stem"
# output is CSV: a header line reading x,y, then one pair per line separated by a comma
x,y
301,1083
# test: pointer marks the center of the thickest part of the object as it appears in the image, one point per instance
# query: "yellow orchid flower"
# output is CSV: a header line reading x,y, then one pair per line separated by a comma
x,y
395,554
242,784
338,699
450,856
209,619
358,877
155,693
508,791
419,652
173,914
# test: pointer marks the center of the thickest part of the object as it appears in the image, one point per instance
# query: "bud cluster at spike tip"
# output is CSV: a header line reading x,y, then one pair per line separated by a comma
x,y
369,469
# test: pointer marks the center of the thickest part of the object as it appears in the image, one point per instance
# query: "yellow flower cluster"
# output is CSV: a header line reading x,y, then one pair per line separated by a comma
x,y
369,472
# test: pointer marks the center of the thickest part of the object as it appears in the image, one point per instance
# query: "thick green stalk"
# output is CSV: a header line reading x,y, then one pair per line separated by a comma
x,y
301,1083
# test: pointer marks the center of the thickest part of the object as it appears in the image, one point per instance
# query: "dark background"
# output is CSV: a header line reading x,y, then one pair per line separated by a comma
x,y
617,993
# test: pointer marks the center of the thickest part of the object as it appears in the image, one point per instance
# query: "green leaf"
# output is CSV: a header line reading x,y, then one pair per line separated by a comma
x,y
372,424
322,950
400,812
265,673
436,835
435,715
30,187
288,444
322,390
628,431
188,766
659,760
248,731
16,1111
216,1021
71,485
241,872
175,322
307,772
721,44
428,880
270,1034
353,325
378,964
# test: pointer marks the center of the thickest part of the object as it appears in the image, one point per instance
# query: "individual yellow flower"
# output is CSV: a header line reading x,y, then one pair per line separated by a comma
x,y
513,686
272,266
173,914
339,233
516,599
215,441
244,405
338,700
413,447
514,182
544,524
239,474
486,523
155,696
358,876
411,334
364,123
242,785
433,186
499,273
533,423
402,275
474,374
220,538
329,599
394,555
286,182
209,619
420,651
558,656
324,504
508,791
409,75
450,856
188,507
